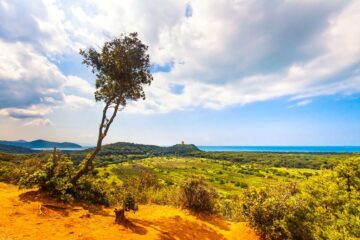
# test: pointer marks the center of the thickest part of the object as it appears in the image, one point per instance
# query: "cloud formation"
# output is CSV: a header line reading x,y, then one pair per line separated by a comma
x,y
219,53
259,50
39,123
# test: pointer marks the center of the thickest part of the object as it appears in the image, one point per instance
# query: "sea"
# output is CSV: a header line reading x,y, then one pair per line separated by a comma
x,y
281,149
62,149
284,149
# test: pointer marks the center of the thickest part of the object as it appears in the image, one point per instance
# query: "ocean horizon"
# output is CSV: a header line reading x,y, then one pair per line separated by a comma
x,y
286,149
283,149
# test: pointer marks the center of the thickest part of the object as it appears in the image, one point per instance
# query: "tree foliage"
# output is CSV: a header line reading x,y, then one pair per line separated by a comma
x,y
122,69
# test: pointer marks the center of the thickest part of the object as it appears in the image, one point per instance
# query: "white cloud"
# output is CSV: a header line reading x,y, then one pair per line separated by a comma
x,y
38,23
27,78
74,101
301,103
304,102
79,84
34,111
224,63
31,86
39,123
226,53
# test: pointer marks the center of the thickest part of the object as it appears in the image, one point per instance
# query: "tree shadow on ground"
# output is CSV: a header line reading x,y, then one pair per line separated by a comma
x,y
59,206
51,205
215,220
177,228
137,229
34,196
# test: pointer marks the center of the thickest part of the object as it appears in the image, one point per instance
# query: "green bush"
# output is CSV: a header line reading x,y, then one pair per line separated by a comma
x,y
9,172
196,195
326,207
230,208
242,184
333,202
274,212
54,175
144,180
129,202
145,188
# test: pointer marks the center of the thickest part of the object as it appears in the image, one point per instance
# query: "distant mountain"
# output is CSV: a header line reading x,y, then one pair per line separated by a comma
x,y
40,144
14,149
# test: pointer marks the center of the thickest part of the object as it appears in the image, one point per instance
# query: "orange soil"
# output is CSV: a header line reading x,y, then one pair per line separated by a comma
x,y
20,219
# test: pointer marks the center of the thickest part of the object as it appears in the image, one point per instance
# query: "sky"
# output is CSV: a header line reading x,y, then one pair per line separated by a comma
x,y
226,72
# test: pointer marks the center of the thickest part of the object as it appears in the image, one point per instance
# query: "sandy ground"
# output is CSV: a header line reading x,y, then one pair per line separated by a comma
x,y
20,218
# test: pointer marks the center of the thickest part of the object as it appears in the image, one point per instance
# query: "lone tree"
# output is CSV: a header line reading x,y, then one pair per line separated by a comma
x,y
122,68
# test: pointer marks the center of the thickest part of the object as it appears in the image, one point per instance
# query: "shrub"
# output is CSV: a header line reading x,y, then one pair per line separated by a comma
x,y
275,213
129,203
196,195
326,207
145,188
9,172
144,180
91,190
259,174
333,202
231,208
242,184
54,176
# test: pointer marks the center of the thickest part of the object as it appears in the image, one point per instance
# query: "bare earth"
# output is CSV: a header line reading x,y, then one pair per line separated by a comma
x,y
20,218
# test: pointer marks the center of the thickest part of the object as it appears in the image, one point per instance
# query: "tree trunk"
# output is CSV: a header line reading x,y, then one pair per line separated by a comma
x,y
103,130
120,216
88,164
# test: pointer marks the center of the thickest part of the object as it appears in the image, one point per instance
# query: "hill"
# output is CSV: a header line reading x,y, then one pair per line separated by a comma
x,y
20,218
14,149
40,144
124,148
122,151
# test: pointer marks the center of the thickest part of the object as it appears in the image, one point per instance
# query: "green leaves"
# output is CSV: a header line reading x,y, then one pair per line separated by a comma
x,y
122,67
197,195
326,207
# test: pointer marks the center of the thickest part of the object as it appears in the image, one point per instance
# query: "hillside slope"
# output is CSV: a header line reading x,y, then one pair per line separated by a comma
x,y
142,150
40,144
14,149
20,219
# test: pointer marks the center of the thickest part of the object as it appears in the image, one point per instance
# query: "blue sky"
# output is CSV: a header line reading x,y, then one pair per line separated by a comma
x,y
226,72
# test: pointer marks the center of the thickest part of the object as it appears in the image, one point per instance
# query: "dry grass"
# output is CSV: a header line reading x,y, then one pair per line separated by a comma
x,y
20,218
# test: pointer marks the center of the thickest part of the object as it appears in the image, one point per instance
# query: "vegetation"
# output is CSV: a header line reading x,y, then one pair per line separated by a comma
x,y
198,196
14,149
54,175
118,152
122,68
287,160
326,207
280,201
40,144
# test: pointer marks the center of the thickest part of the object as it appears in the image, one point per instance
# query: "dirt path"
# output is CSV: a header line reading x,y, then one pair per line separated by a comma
x,y
20,220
